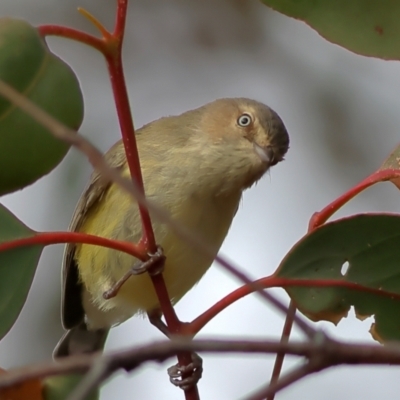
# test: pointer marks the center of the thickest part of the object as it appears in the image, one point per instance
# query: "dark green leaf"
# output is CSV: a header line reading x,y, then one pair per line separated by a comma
x,y
370,244
17,268
27,150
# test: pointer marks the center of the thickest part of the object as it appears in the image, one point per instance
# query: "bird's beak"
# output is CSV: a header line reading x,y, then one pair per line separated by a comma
x,y
265,153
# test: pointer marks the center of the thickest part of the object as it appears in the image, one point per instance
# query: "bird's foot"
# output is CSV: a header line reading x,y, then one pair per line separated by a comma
x,y
186,376
154,266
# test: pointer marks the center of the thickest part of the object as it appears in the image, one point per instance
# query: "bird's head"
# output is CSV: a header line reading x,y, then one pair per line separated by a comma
x,y
246,138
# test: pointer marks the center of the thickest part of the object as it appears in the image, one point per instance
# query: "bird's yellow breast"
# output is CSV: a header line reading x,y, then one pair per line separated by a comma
x,y
116,216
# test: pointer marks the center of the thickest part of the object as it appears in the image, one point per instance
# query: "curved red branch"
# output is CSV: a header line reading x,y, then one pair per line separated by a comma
x,y
47,238
322,216
272,282
69,33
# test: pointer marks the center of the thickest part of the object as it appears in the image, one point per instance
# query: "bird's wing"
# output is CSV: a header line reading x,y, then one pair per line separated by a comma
x,y
71,304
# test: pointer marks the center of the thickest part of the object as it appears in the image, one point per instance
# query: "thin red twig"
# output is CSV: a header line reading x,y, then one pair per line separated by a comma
x,y
280,356
322,216
317,220
70,33
110,46
274,282
303,325
48,238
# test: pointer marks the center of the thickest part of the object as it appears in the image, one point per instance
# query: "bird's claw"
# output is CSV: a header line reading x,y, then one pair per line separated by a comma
x,y
154,266
194,370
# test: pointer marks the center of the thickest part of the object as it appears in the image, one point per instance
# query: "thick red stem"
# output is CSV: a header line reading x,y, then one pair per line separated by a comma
x,y
111,47
128,136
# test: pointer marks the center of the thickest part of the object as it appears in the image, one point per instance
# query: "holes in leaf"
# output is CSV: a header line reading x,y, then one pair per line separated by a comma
x,y
345,268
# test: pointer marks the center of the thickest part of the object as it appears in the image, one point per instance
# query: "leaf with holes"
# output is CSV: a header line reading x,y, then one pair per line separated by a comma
x,y
17,268
366,248
367,27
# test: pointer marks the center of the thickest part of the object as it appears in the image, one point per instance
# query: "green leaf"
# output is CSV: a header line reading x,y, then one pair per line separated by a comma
x,y
367,27
370,244
27,150
17,268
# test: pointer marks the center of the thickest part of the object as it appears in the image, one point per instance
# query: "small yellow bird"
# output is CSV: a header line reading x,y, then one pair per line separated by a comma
x,y
196,166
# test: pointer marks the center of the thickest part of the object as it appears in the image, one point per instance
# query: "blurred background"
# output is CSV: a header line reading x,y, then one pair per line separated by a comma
x,y
341,111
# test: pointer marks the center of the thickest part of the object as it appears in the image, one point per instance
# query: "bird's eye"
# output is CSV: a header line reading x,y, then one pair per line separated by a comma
x,y
244,120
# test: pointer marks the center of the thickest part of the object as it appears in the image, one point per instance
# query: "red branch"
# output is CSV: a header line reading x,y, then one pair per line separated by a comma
x,y
280,356
47,238
271,282
121,19
73,34
115,69
319,218
111,47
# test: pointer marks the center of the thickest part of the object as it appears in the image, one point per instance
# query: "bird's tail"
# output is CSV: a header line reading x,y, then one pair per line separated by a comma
x,y
79,340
